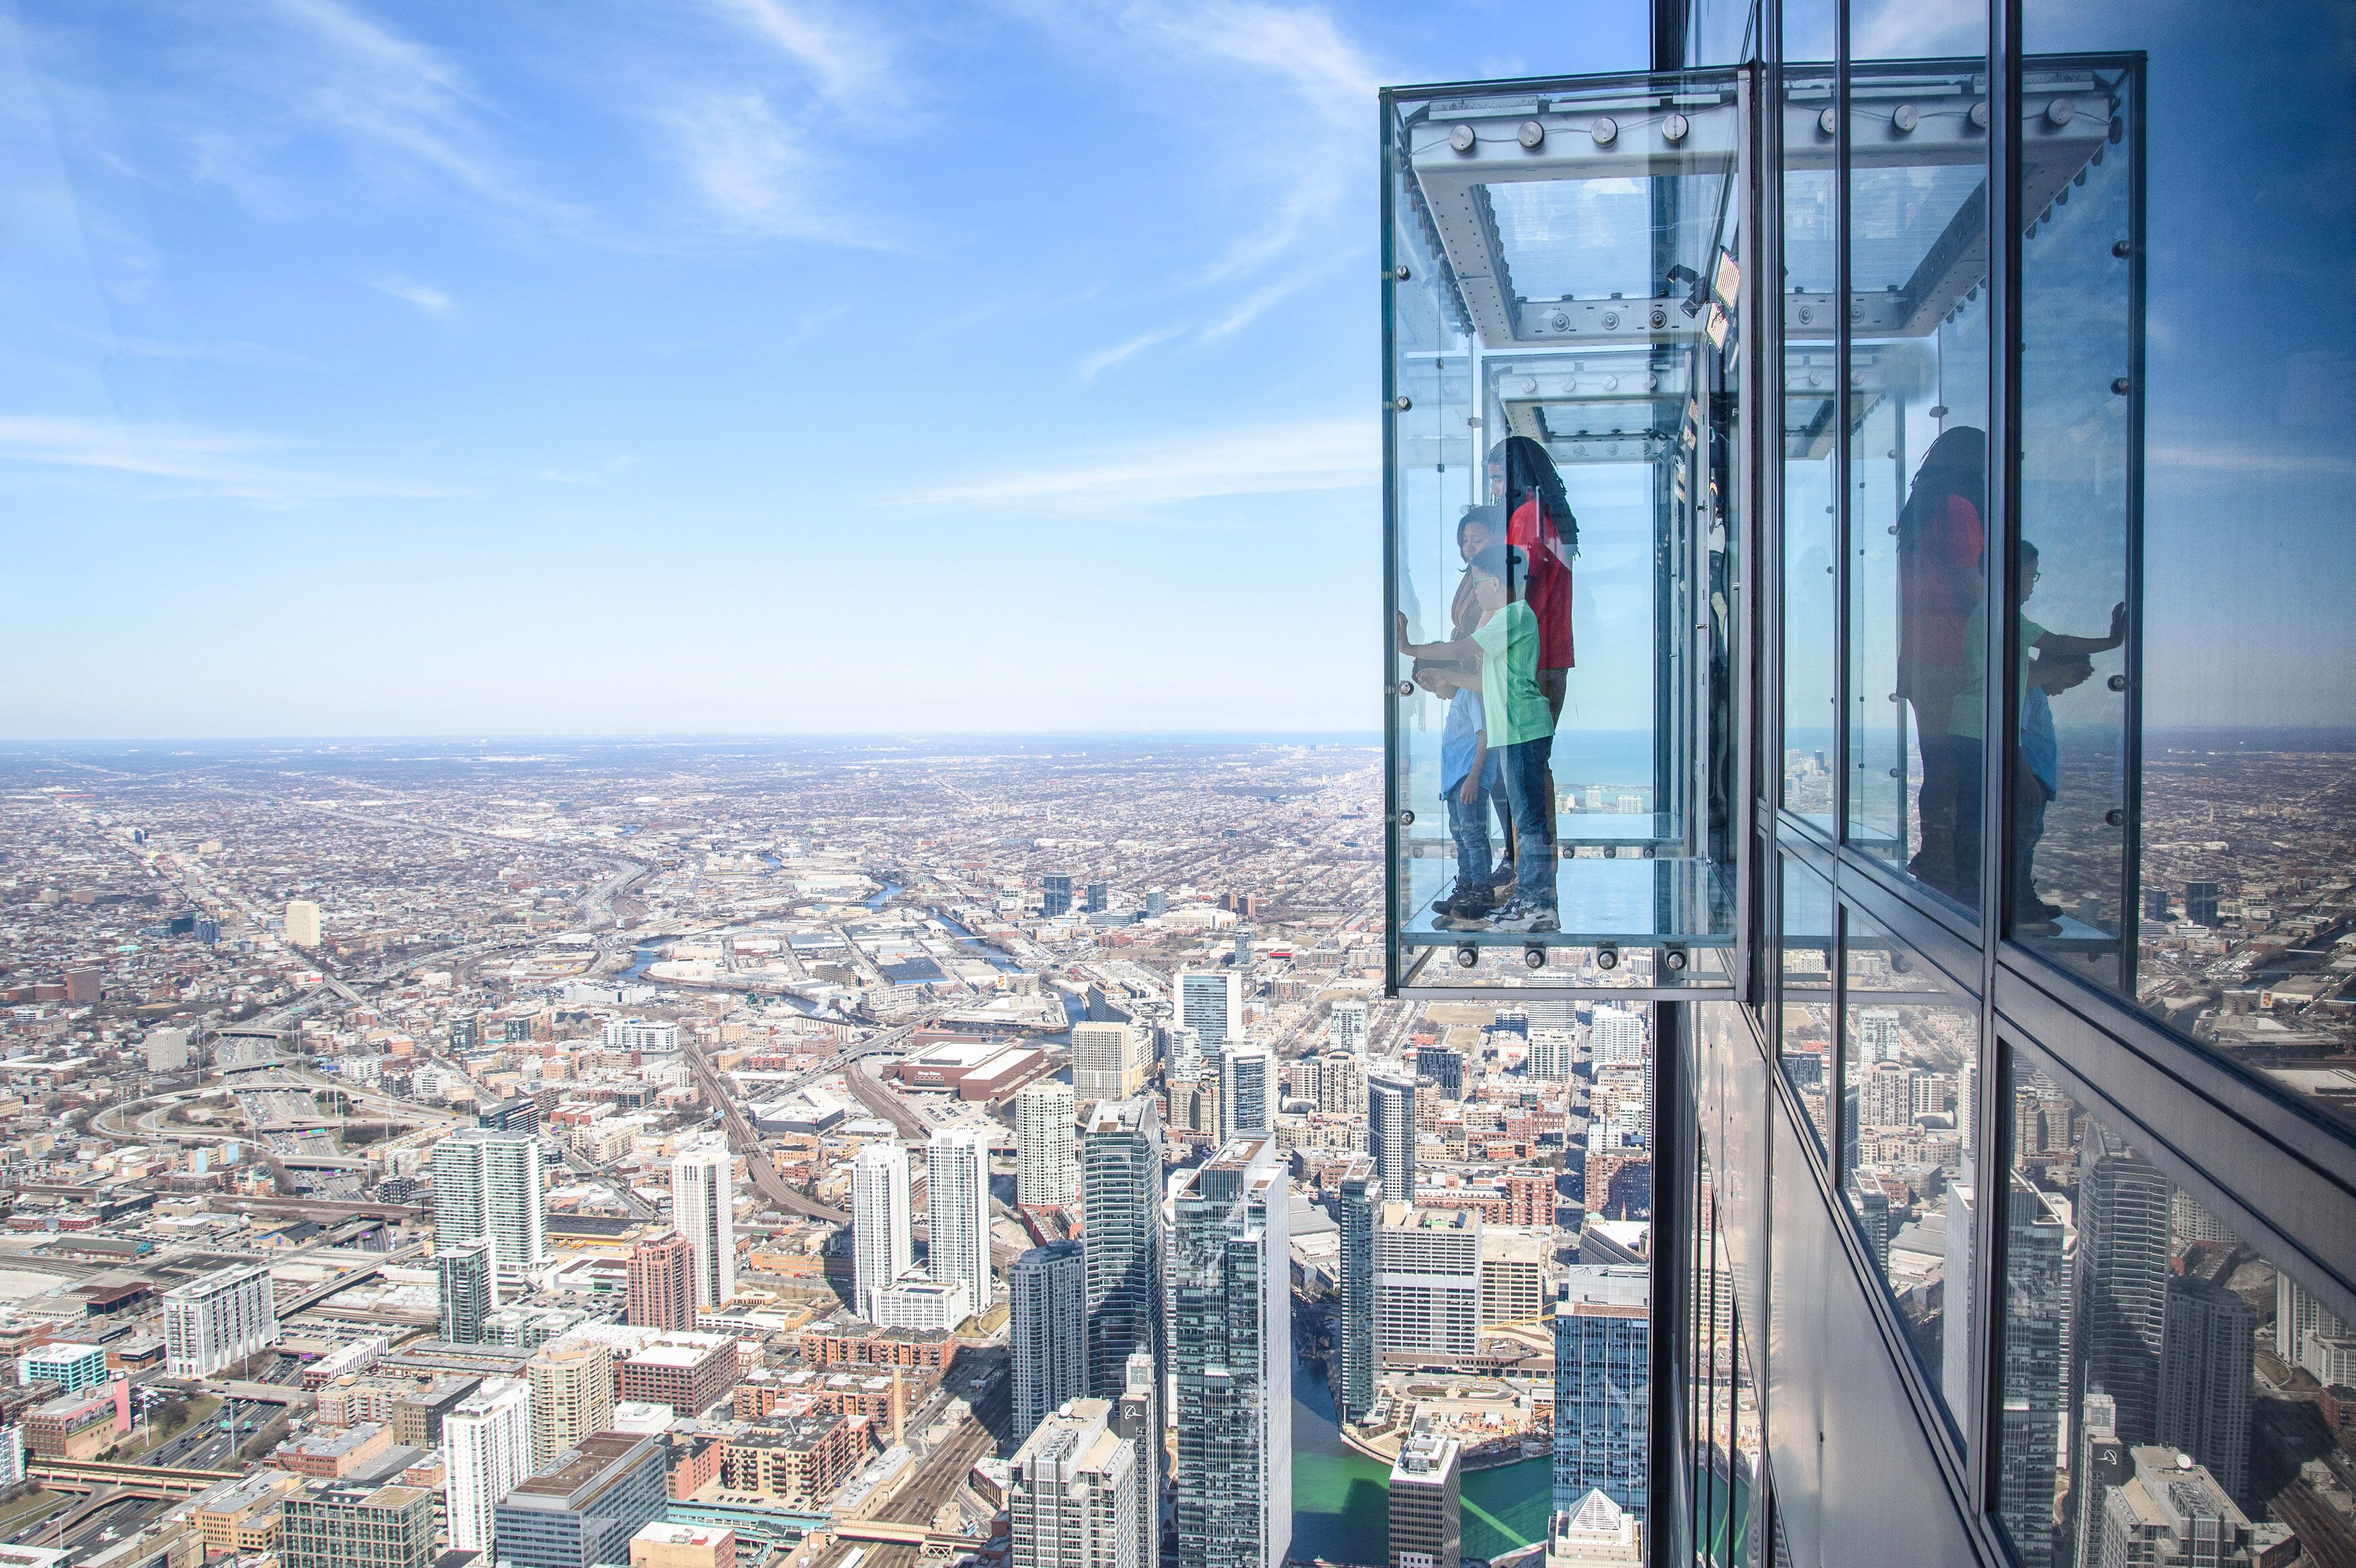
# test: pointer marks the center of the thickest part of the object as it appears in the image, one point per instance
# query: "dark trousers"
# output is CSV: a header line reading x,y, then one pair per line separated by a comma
x,y
1529,787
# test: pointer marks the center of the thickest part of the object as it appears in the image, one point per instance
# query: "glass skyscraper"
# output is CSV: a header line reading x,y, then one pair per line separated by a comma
x,y
1231,1360
1120,1192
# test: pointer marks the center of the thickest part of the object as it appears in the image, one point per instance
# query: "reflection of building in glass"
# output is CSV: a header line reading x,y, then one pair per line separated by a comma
x,y
2035,1319
2206,1377
2121,1291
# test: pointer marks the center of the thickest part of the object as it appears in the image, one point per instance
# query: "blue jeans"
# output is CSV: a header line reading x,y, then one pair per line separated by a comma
x,y
1525,788
1469,825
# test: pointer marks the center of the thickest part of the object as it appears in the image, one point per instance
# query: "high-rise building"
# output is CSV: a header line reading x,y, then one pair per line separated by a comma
x,y
1100,897
1341,1085
470,1288
2036,1324
1184,1053
1603,1374
1059,898
584,1512
881,1229
489,1184
355,1524
1231,1360
303,923
1345,1028
2169,1510
2206,1379
1554,1055
1136,1417
1359,1212
2121,1293
1390,1133
1426,1282
1072,1493
1120,1192
487,1449
1211,1003
703,1208
571,1395
1427,1501
1157,904
662,1281
956,1179
2200,903
1442,1067
1047,1152
218,1319
1047,1289
1109,1061
1248,1095
1617,1036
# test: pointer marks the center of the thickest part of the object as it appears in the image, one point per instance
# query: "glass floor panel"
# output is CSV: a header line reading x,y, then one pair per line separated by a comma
x,y
1626,902
1614,828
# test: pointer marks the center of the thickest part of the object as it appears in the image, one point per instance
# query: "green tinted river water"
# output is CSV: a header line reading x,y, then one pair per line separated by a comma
x,y
1341,1499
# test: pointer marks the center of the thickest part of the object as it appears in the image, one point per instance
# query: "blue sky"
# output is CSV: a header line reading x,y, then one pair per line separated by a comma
x,y
719,366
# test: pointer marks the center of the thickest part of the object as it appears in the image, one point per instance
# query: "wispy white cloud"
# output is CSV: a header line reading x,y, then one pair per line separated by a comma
x,y
756,172
1315,454
387,94
1106,358
1253,305
850,66
432,300
191,460
1315,71
230,352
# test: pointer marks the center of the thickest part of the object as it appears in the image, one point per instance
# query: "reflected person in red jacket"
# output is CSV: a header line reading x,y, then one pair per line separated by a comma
x,y
1941,579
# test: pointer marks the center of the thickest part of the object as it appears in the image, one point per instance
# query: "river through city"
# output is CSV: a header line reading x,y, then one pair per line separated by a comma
x,y
1341,1499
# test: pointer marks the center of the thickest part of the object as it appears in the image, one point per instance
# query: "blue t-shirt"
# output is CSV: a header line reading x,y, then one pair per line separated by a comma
x,y
1460,738
2039,747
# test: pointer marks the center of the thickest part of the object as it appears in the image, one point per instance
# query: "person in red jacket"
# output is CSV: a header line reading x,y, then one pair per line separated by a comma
x,y
1942,581
1539,523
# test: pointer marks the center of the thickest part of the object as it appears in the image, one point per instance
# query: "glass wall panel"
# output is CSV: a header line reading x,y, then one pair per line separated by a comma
x,y
1807,1043
1811,606
1565,415
2167,1390
1916,483
2072,878
1909,1054
2237,798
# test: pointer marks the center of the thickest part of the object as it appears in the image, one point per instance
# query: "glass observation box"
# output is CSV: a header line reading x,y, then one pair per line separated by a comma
x,y
1592,540
1565,351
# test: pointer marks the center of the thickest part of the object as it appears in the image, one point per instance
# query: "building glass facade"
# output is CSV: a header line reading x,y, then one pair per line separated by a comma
x,y
1990,702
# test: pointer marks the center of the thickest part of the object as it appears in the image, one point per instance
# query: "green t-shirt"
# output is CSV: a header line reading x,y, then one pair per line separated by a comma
x,y
1515,708
1969,720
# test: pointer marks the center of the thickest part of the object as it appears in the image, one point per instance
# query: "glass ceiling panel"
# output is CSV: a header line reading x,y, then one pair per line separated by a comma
x,y
1898,214
1576,238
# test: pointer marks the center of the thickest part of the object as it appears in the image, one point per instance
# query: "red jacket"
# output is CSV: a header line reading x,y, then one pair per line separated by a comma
x,y
1532,532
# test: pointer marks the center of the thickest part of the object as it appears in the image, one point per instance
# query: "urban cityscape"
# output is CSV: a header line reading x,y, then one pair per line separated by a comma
x,y
693,1154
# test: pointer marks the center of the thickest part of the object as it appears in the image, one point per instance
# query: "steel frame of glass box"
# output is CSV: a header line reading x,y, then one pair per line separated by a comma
x,y
1800,1414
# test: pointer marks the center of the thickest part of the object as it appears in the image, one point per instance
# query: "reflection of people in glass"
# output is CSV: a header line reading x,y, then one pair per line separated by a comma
x,y
1519,728
2061,663
1942,537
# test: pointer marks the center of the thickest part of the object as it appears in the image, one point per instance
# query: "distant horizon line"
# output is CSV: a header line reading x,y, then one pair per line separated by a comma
x,y
479,738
